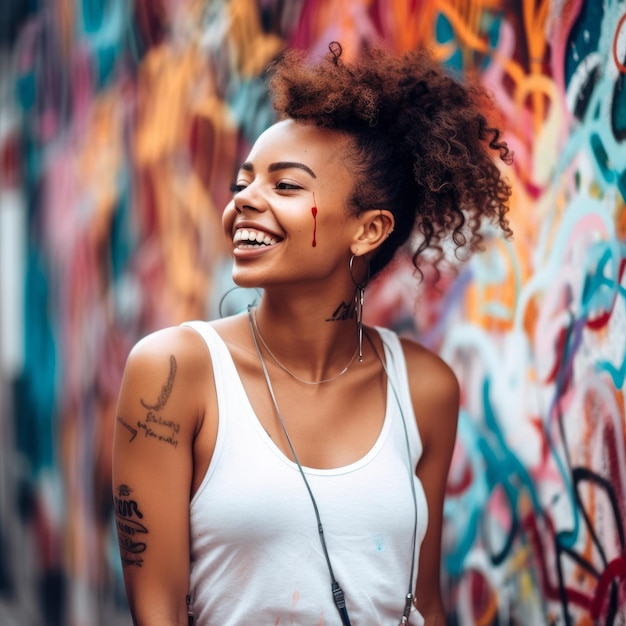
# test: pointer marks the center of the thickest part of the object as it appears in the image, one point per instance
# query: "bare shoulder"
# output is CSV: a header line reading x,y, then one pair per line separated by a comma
x,y
428,370
434,389
176,346
165,365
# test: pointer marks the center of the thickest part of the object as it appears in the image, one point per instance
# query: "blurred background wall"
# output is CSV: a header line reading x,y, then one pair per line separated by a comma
x,y
121,122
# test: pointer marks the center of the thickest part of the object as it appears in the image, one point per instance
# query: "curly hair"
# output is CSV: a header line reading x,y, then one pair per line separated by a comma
x,y
422,147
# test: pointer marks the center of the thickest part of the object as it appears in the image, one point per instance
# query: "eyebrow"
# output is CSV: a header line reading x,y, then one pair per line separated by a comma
x,y
280,165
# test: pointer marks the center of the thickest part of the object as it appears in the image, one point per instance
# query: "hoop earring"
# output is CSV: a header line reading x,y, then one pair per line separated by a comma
x,y
359,297
239,305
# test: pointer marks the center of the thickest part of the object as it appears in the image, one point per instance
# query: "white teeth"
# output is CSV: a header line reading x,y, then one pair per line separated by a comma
x,y
245,234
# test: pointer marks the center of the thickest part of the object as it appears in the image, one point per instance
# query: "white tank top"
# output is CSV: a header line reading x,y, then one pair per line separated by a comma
x,y
256,557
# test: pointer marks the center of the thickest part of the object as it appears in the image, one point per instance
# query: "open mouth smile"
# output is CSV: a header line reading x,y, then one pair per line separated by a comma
x,y
252,238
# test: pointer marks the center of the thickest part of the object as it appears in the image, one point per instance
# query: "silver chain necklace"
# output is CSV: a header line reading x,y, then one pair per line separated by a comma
x,y
338,595
284,367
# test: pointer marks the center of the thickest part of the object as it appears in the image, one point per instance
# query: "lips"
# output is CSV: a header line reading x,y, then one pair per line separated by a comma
x,y
247,238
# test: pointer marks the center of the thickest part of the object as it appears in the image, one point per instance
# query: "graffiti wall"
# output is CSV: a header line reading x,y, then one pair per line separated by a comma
x,y
120,125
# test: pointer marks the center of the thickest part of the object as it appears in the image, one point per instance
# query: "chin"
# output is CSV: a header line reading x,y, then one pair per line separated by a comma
x,y
245,280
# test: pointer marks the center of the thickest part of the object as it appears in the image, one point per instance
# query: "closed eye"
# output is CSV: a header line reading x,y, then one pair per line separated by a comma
x,y
280,186
285,186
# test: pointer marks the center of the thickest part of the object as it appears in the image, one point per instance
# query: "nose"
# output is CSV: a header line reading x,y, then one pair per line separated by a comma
x,y
249,199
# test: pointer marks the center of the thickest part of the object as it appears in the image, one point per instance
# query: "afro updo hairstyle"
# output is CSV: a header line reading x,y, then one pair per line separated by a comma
x,y
423,148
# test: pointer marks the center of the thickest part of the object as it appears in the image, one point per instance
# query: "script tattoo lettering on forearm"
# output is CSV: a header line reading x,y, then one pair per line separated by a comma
x,y
155,426
344,311
129,528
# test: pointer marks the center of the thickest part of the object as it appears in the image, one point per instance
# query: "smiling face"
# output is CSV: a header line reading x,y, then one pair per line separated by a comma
x,y
289,219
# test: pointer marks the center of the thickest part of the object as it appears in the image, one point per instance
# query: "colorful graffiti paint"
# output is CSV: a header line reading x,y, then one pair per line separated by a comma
x,y
120,125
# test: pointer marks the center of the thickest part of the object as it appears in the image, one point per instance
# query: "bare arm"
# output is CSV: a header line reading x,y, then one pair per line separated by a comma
x,y
157,419
435,394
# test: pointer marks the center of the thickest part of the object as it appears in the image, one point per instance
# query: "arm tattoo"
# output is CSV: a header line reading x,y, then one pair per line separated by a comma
x,y
156,426
166,390
128,427
129,526
153,428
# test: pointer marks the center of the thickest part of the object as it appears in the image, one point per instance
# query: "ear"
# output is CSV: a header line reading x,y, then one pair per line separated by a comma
x,y
375,226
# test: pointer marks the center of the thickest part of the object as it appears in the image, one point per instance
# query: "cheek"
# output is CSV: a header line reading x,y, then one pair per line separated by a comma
x,y
228,217
327,224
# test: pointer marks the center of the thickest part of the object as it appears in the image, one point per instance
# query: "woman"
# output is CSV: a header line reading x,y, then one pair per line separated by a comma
x,y
287,465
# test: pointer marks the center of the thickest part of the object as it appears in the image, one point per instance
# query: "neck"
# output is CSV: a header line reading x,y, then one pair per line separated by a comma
x,y
306,337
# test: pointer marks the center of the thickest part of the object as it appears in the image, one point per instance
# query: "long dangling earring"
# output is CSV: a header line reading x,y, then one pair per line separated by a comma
x,y
359,297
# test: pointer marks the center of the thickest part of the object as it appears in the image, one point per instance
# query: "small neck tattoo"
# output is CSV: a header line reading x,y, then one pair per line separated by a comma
x,y
252,314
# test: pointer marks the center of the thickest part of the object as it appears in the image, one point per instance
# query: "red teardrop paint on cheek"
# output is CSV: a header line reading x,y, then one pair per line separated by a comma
x,y
314,214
